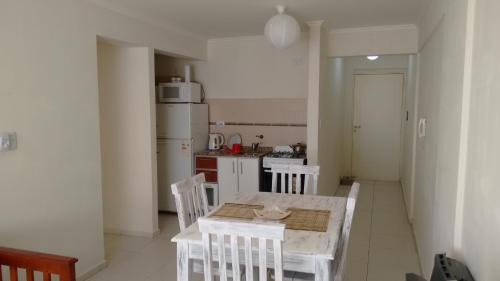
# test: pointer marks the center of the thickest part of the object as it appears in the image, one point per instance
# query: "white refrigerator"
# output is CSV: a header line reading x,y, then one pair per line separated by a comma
x,y
182,130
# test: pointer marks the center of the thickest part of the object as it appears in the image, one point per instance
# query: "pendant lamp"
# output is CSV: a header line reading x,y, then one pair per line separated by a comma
x,y
282,30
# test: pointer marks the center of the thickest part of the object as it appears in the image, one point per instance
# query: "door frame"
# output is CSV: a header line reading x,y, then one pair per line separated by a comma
x,y
380,71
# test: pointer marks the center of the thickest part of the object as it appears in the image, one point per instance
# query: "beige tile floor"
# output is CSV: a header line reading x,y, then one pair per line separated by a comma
x,y
381,247
142,259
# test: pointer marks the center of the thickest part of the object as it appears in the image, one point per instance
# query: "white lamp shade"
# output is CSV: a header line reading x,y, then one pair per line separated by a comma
x,y
282,30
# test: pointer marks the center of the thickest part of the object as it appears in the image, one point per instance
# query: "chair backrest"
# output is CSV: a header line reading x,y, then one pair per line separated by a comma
x,y
287,174
239,230
32,262
190,199
341,254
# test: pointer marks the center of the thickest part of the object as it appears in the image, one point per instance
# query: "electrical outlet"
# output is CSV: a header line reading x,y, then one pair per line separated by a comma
x,y
220,124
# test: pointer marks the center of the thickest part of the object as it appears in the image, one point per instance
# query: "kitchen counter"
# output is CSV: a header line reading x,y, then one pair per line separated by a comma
x,y
246,152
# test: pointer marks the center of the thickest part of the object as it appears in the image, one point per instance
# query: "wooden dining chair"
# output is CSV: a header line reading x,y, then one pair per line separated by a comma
x,y
288,173
49,265
190,200
338,271
244,231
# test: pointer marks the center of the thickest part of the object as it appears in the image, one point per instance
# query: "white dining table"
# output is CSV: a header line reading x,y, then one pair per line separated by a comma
x,y
303,251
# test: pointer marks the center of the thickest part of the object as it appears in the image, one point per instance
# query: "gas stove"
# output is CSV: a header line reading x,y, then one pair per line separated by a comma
x,y
286,158
286,155
282,155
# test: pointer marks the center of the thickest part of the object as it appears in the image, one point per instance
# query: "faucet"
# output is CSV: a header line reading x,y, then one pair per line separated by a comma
x,y
255,146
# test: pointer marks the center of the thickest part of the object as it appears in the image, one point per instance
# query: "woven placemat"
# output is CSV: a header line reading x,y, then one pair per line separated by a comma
x,y
307,219
299,219
237,211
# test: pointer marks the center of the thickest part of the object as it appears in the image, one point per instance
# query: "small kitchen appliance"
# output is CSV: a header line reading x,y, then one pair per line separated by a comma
x,y
179,92
215,141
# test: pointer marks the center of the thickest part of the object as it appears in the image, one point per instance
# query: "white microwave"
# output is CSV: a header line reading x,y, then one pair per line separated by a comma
x,y
179,92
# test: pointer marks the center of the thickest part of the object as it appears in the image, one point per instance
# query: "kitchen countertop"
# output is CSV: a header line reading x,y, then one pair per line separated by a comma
x,y
246,152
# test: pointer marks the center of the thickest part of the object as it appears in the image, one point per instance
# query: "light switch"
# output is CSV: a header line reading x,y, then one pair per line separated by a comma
x,y
8,141
422,127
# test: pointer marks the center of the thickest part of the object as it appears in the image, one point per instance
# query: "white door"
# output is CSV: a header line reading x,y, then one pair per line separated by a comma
x,y
174,164
248,174
377,126
227,176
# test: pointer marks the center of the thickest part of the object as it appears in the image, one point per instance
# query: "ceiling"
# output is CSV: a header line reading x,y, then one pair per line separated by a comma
x,y
227,18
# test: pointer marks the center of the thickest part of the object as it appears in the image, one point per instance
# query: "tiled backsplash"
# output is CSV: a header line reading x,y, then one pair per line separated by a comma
x,y
281,121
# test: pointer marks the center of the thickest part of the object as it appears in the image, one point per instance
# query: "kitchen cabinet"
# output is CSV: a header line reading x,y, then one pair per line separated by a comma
x,y
227,177
237,174
248,174
208,166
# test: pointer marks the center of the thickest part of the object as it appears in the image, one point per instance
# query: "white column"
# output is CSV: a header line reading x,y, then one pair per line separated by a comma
x,y
313,91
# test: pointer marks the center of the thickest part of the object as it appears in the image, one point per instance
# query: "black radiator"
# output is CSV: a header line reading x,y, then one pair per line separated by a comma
x,y
445,269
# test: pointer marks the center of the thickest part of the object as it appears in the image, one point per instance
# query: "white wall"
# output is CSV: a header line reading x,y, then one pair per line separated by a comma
x,y
376,40
50,186
441,68
250,67
332,127
456,211
247,67
314,89
480,246
409,133
360,64
329,107
167,66
126,99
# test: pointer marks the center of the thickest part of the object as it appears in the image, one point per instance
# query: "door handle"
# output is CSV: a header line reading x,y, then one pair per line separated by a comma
x,y
241,168
233,167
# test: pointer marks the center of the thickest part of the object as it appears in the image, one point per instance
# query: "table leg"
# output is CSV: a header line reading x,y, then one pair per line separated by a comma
x,y
183,269
323,270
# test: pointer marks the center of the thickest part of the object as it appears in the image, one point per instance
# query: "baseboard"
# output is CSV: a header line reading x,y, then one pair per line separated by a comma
x,y
131,232
93,271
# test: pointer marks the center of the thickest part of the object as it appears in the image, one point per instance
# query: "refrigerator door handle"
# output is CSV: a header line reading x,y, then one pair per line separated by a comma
x,y
233,167
166,140
159,139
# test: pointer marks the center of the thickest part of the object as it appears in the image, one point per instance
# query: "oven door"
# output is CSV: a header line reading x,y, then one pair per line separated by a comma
x,y
212,190
267,180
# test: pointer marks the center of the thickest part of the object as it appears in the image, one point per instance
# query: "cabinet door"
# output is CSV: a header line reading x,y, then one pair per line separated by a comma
x,y
228,178
248,174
